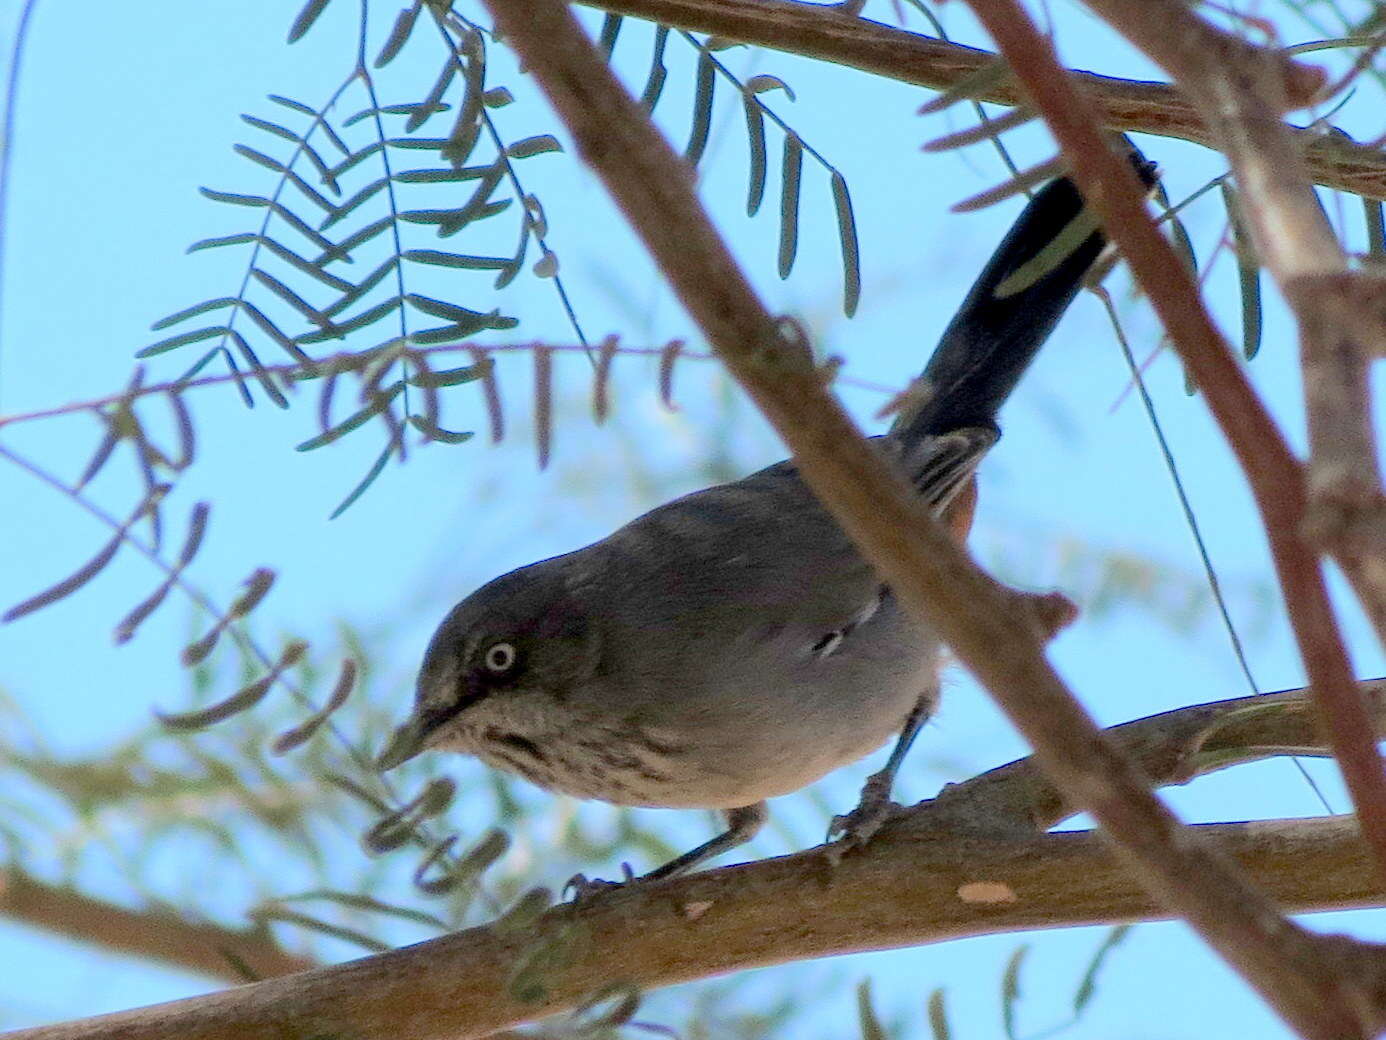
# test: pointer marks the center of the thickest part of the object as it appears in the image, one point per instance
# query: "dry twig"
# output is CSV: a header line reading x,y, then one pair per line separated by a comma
x,y
825,32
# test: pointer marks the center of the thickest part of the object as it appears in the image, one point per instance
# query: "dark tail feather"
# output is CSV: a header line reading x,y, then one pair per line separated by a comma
x,y
992,339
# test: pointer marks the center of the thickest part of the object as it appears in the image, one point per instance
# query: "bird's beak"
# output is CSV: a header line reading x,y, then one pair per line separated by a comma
x,y
405,743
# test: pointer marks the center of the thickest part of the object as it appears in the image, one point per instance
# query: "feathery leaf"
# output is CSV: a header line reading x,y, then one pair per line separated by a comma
x,y
790,172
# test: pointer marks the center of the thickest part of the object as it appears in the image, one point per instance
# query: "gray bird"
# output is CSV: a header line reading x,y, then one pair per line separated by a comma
x,y
732,645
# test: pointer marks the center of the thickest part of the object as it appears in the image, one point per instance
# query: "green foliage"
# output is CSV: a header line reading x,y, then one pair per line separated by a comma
x,y
709,71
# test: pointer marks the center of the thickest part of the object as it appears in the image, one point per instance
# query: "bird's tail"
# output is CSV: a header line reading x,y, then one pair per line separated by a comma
x,y
1008,314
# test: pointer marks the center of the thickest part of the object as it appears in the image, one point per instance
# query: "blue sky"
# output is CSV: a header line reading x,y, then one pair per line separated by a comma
x,y
125,110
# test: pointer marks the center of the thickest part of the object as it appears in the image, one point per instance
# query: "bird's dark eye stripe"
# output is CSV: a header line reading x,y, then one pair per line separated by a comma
x,y
521,744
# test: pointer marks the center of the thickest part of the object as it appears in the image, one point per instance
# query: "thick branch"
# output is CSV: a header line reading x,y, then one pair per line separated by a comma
x,y
914,885
824,32
934,579
157,935
968,862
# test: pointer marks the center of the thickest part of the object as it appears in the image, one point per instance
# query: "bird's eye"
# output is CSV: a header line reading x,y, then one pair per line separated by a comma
x,y
500,658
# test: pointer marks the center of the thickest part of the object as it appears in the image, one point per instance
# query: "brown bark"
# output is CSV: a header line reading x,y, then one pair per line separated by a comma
x,y
970,862
821,31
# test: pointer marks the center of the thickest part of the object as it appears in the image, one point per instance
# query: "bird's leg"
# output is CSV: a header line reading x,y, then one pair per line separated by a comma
x,y
1049,613
742,825
875,807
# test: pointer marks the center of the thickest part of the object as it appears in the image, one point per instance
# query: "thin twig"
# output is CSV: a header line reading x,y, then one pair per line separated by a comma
x,y
1173,747
817,30
8,134
293,372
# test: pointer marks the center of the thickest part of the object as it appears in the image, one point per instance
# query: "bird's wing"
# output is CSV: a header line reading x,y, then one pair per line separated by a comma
x,y
758,548
763,547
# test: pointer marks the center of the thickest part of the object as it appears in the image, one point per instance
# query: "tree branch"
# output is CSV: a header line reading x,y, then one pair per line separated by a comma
x,y
155,935
1173,747
1341,313
1275,476
976,617
824,32
969,862
913,886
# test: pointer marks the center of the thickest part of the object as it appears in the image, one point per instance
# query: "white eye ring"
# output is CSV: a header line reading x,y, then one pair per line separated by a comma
x,y
500,658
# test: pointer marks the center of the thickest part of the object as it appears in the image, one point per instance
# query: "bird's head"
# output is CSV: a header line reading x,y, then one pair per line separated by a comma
x,y
518,642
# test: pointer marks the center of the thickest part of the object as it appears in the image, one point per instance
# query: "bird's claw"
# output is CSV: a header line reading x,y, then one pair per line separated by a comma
x,y
584,888
854,829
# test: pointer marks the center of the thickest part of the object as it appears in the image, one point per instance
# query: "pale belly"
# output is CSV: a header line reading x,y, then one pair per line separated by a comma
x,y
733,741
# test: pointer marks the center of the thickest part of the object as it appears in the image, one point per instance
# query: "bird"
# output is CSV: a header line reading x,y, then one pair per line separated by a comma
x,y
732,645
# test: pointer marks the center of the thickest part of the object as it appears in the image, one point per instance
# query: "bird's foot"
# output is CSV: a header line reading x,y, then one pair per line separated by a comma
x,y
585,888
854,829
